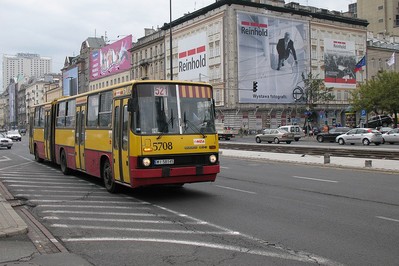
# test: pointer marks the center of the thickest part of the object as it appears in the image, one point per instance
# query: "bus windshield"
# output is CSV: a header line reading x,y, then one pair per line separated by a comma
x,y
165,109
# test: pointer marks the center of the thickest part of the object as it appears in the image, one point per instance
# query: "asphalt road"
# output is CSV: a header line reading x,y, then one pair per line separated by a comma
x,y
256,213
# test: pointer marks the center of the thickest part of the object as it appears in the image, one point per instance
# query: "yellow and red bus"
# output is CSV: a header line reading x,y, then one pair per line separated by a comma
x,y
136,133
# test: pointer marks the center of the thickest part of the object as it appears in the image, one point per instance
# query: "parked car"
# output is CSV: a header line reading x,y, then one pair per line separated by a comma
x,y
379,121
5,142
275,135
360,135
14,135
331,134
293,129
391,136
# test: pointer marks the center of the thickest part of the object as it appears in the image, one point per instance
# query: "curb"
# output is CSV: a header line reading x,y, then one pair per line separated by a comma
x,y
11,223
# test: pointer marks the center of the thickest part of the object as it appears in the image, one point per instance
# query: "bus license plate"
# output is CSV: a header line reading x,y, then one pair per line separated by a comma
x,y
164,161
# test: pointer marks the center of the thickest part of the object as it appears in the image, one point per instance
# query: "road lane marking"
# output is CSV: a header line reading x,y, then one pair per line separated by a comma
x,y
104,213
236,189
388,219
63,191
74,187
92,207
148,230
315,179
12,166
93,201
4,159
108,220
293,257
224,167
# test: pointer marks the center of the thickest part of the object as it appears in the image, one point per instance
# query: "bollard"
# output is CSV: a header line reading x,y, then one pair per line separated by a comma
x,y
326,158
368,163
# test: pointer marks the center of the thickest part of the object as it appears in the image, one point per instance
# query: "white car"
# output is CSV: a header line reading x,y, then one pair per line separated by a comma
x,y
391,136
5,142
14,135
360,135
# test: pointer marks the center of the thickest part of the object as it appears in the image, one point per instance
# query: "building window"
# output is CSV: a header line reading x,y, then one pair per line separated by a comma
x,y
217,48
381,20
380,7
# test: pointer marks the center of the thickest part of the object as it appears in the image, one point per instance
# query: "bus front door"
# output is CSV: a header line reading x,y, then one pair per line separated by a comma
x,y
120,141
80,138
47,124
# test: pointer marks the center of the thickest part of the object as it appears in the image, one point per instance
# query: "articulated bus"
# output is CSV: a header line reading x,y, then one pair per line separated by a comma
x,y
137,133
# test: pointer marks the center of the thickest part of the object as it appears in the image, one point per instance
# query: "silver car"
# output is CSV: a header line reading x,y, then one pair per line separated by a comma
x,y
391,136
360,135
275,135
5,142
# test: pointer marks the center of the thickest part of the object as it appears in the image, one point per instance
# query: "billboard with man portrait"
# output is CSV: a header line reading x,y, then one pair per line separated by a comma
x,y
273,52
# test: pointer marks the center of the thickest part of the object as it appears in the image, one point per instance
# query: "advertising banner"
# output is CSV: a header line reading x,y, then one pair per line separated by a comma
x,y
192,58
111,59
340,63
70,82
272,55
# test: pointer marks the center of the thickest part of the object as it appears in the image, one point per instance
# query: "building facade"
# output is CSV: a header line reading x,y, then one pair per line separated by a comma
x,y
24,64
76,71
234,46
148,55
382,15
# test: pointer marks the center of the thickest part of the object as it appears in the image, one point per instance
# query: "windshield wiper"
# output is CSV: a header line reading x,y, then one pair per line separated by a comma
x,y
170,122
192,126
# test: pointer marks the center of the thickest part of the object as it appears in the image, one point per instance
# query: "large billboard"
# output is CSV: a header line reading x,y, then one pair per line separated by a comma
x,y
111,59
340,63
70,82
272,53
192,57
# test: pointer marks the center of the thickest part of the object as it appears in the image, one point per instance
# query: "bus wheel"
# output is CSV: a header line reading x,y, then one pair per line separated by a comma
x,y
37,158
109,181
64,167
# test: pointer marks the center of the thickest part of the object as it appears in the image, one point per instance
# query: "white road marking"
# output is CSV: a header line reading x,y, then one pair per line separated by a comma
x,y
4,159
63,191
45,183
107,220
224,167
93,201
129,229
30,179
92,207
77,187
64,196
315,179
388,219
236,189
12,166
103,213
294,257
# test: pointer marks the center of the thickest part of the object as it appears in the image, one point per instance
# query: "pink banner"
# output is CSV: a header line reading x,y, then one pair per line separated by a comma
x,y
111,59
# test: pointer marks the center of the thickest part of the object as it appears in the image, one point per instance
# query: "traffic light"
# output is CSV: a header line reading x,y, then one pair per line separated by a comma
x,y
254,86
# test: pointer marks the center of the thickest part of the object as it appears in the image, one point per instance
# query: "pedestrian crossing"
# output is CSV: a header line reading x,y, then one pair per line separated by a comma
x,y
78,212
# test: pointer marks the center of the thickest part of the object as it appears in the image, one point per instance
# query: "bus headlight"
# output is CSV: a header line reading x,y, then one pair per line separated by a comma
x,y
146,162
212,158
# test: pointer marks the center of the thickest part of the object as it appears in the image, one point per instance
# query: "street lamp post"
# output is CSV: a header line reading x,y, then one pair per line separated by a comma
x,y
170,40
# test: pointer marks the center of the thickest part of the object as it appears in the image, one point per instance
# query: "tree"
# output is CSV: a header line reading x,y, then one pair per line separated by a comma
x,y
379,95
315,91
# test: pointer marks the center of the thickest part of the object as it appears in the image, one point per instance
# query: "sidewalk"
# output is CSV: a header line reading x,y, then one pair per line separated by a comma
x,y
343,162
17,248
12,225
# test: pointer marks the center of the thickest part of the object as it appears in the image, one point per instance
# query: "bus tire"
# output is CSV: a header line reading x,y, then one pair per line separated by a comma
x,y
37,158
64,164
108,178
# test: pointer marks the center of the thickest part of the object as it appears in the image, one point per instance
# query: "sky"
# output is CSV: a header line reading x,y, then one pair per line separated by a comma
x,y
57,28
